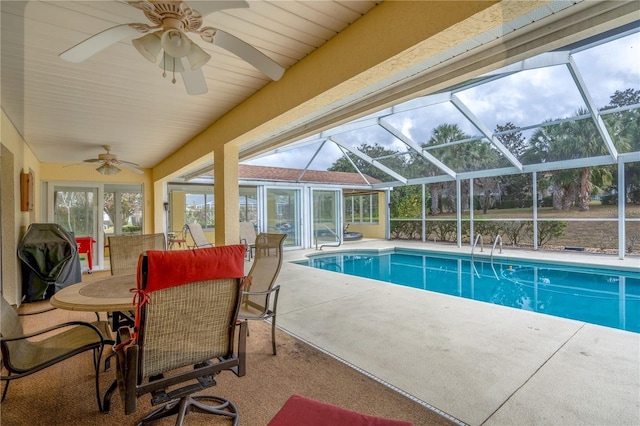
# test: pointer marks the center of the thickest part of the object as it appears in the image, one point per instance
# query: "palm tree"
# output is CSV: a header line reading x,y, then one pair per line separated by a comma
x,y
443,134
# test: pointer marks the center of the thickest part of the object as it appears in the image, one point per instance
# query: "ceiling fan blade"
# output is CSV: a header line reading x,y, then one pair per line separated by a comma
x,y
208,7
97,42
130,166
244,50
92,160
193,81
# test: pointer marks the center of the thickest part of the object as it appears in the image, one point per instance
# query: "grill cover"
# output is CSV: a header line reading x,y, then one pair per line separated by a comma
x,y
49,260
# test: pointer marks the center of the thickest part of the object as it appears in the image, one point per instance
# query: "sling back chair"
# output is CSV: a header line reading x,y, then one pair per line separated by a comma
x,y
197,236
23,355
248,237
260,282
124,251
187,314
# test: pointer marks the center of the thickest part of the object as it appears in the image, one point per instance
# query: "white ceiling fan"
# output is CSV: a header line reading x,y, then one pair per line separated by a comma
x,y
171,21
110,163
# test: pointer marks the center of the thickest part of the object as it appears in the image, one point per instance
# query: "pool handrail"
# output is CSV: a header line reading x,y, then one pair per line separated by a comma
x,y
338,239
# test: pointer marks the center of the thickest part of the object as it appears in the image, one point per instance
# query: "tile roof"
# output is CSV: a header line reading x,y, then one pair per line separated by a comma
x,y
281,174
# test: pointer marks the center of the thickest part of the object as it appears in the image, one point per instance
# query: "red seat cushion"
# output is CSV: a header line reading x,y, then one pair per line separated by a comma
x,y
301,411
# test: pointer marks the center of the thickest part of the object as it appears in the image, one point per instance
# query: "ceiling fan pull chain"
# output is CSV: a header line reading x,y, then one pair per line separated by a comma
x,y
174,71
164,64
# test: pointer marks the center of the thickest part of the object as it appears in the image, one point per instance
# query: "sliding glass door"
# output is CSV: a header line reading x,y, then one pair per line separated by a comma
x,y
283,214
96,211
326,217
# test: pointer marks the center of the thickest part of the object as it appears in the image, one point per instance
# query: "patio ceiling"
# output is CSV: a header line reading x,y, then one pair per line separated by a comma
x,y
407,128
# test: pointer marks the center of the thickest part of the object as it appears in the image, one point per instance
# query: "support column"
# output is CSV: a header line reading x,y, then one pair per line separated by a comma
x,y
226,192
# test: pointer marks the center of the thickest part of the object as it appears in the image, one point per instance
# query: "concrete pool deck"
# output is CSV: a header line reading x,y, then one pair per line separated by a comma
x,y
480,363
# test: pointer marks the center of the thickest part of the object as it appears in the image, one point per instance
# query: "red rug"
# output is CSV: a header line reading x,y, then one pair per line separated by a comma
x,y
301,411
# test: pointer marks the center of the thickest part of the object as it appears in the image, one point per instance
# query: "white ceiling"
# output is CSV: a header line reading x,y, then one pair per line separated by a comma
x,y
67,111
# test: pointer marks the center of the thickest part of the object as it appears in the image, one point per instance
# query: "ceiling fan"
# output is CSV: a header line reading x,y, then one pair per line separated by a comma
x,y
171,21
110,163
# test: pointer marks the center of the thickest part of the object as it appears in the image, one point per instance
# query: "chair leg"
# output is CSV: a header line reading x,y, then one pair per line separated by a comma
x,y
97,368
106,402
6,387
273,334
182,406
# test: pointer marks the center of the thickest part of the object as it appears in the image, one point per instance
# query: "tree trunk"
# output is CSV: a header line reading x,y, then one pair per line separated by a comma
x,y
557,198
585,189
435,196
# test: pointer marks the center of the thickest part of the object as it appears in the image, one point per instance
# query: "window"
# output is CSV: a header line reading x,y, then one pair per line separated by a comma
x,y
361,208
249,204
200,208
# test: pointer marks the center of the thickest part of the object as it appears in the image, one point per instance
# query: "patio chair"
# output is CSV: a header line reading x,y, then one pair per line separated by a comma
x,y
248,237
197,236
25,354
186,319
124,250
256,299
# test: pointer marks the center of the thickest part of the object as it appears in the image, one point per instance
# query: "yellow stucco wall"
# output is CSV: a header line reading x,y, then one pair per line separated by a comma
x,y
19,159
374,230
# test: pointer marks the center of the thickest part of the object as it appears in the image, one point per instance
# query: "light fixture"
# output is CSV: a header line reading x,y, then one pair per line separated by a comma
x,y
149,46
175,43
197,57
108,169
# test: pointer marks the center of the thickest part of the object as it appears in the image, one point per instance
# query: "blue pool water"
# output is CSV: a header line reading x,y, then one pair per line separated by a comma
x,y
599,296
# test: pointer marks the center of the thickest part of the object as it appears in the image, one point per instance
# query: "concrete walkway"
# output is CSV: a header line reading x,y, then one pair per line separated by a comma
x,y
480,363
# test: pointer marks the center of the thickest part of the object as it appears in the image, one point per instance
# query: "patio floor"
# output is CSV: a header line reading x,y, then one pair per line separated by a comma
x,y
481,364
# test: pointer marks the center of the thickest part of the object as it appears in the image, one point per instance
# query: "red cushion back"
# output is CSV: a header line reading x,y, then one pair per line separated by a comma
x,y
178,267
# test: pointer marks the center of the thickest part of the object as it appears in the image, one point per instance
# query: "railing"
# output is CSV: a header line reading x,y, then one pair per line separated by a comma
x,y
479,237
336,244
498,238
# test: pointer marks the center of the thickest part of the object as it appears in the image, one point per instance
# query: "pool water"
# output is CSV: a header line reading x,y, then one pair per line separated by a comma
x,y
606,297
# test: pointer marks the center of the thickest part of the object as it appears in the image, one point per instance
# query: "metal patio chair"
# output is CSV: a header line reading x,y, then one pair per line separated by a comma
x,y
197,236
186,319
260,282
25,354
248,237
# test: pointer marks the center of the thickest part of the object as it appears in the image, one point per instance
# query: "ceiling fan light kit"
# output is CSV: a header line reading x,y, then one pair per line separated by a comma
x,y
108,169
110,163
175,43
149,46
173,19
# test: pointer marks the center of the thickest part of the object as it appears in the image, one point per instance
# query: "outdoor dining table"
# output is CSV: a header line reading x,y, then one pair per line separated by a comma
x,y
111,294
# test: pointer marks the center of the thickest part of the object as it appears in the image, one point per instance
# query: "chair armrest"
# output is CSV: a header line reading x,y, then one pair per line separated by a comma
x,y
42,311
55,327
257,293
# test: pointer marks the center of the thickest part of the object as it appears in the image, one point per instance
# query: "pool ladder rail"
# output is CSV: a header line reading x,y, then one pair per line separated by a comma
x,y
336,244
495,242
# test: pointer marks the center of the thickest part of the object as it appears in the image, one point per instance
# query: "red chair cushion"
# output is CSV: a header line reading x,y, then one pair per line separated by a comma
x,y
298,411
174,268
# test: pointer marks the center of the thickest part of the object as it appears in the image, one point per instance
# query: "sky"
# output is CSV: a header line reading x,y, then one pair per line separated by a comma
x,y
526,98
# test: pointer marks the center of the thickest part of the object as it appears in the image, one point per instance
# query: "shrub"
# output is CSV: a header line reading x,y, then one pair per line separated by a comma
x,y
548,230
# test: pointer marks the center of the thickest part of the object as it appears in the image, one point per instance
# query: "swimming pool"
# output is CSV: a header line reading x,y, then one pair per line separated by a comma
x,y
601,296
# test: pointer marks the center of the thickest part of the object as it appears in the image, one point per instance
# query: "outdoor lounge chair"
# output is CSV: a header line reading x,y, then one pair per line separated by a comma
x,y
186,319
256,299
197,236
24,354
248,237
